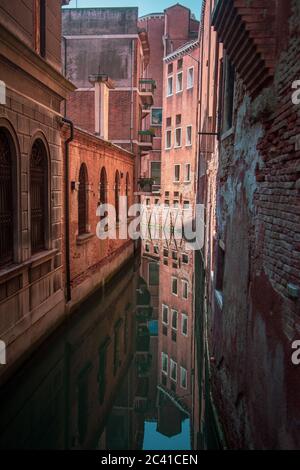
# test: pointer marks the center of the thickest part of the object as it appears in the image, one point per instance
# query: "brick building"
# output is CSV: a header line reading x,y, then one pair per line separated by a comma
x,y
100,172
105,56
166,31
31,289
248,181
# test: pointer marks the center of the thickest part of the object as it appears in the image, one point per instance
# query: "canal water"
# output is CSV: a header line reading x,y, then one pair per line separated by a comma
x,y
120,373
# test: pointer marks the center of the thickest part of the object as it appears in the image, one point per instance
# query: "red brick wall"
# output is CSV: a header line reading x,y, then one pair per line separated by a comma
x,y
81,109
88,258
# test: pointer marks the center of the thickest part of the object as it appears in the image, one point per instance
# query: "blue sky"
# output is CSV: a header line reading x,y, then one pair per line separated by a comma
x,y
145,6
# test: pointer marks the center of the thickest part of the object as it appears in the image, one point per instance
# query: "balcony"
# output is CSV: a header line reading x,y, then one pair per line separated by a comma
x,y
146,140
146,90
145,185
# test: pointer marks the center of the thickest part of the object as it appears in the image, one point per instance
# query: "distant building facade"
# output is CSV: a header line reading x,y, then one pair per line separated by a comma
x,y
105,56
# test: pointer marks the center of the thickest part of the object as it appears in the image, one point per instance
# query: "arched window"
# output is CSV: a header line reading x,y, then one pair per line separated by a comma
x,y
38,196
83,200
117,195
103,186
6,199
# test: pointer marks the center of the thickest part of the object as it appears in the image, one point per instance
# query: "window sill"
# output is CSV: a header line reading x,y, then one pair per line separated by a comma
x,y
82,239
227,134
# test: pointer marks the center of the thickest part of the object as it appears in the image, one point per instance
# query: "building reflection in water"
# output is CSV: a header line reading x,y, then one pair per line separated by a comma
x,y
119,375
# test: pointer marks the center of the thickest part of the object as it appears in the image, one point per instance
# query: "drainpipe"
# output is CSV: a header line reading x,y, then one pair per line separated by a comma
x,y
67,207
132,98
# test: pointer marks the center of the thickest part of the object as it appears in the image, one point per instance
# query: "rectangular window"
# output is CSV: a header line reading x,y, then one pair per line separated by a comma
x,y
185,289
179,82
165,314
228,97
167,202
156,249
178,137
186,205
153,274
190,78
179,64
185,258
166,252
164,363
173,370
174,255
220,274
156,117
174,320
43,28
156,202
148,202
170,86
187,176
174,286
184,324
183,377
176,204
176,173
178,119
170,69
155,171
188,142
147,248
169,122
168,139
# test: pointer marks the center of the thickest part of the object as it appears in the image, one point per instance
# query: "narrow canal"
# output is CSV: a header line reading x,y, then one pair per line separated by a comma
x,y
120,373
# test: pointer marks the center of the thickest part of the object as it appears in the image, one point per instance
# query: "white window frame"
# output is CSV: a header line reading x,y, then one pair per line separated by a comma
x,y
189,87
177,82
189,144
164,356
187,165
173,364
177,165
175,143
184,317
186,208
174,311
172,279
166,146
163,307
170,77
185,282
186,377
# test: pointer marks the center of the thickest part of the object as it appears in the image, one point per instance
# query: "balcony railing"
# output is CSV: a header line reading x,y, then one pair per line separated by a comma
x,y
146,138
147,85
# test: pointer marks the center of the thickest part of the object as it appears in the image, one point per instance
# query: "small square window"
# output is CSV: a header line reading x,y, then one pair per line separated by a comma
x,y
185,258
179,82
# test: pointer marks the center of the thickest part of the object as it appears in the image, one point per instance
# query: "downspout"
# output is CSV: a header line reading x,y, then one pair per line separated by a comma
x,y
132,100
67,207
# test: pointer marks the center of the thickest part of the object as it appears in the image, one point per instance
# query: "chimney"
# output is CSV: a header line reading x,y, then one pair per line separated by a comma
x,y
102,84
